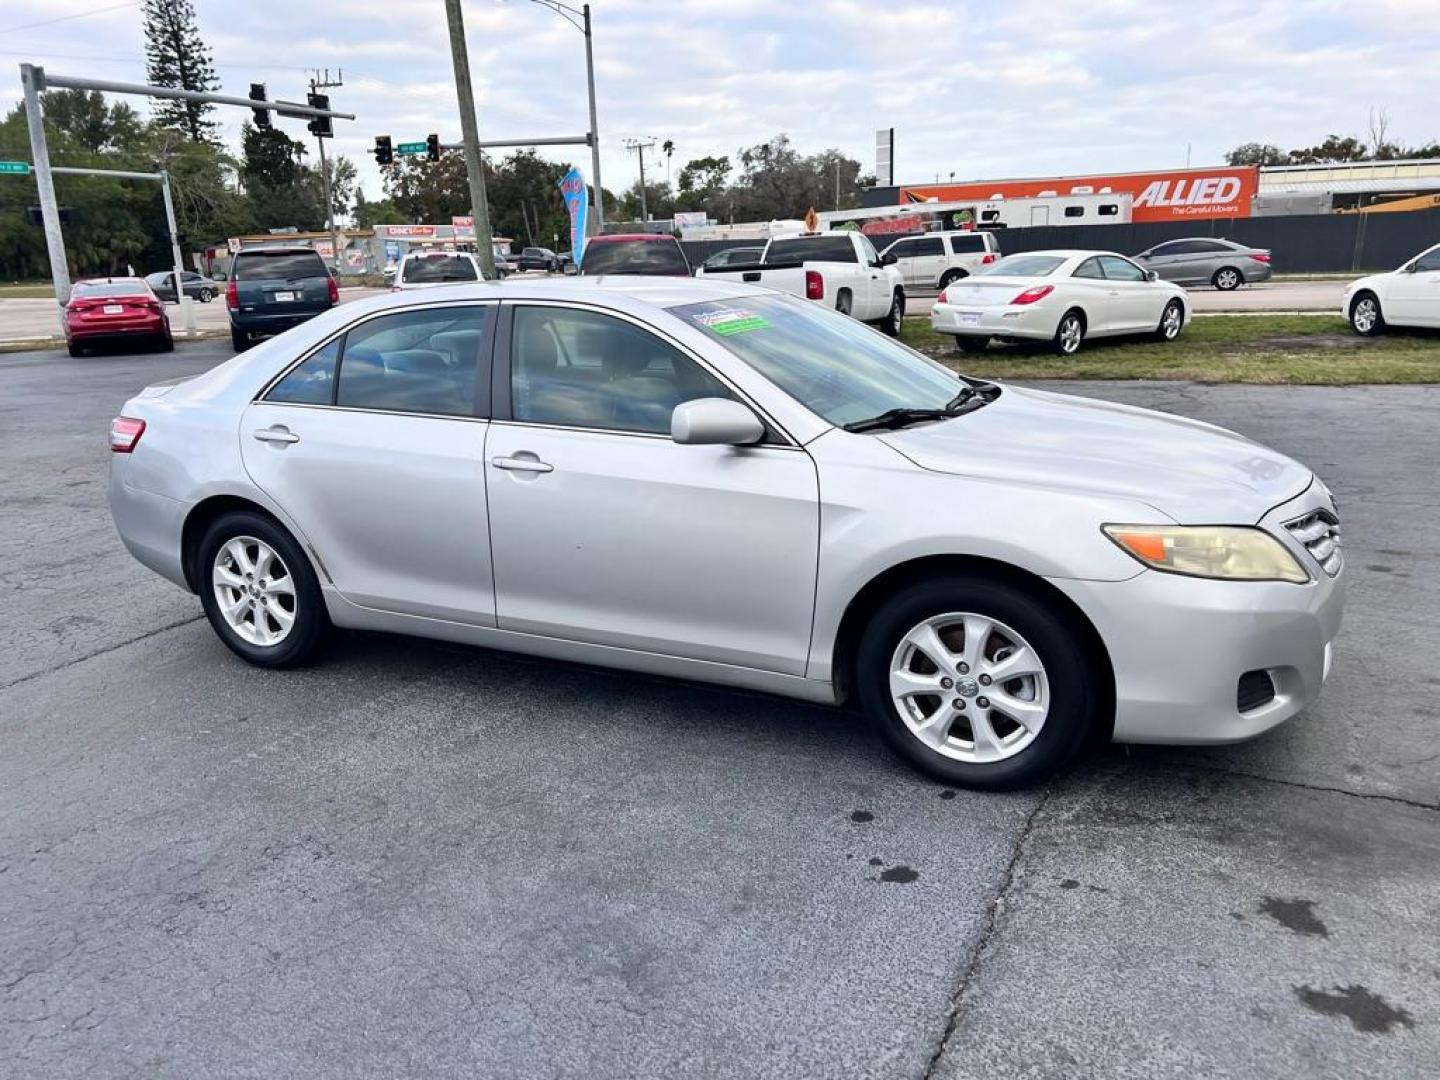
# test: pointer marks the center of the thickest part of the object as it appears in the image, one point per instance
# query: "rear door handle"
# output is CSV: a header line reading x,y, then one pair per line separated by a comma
x,y
277,434
521,464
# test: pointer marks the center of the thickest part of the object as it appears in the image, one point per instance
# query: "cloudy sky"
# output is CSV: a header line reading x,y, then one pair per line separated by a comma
x,y
977,89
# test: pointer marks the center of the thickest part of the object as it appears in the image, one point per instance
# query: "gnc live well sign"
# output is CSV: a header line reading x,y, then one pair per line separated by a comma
x,y
1178,195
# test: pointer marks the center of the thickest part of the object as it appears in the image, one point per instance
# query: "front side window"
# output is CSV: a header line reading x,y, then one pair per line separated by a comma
x,y
312,382
414,361
867,250
1118,269
583,369
1427,262
836,367
902,249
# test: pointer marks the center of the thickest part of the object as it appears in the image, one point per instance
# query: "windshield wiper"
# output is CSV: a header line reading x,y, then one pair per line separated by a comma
x,y
891,419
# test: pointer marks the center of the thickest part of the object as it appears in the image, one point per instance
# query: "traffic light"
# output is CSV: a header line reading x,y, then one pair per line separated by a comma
x,y
320,126
262,116
384,155
432,146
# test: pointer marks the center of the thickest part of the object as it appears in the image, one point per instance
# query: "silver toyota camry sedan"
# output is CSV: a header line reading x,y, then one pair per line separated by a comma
x,y
717,482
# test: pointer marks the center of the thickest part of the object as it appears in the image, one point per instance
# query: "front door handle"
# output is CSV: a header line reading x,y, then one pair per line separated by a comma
x,y
277,434
521,464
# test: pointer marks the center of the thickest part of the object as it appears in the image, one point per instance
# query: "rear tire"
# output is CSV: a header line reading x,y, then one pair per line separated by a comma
x,y
1227,278
206,295
239,340
842,302
1366,318
985,746
950,277
167,343
894,320
285,603
967,344
1069,333
77,350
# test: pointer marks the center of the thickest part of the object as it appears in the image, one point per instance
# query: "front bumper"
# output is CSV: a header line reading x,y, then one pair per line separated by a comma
x,y
1032,322
1179,645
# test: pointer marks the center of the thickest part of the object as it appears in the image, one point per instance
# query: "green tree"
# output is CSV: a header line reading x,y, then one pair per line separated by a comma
x,y
428,192
1256,154
281,190
525,202
176,56
367,214
701,185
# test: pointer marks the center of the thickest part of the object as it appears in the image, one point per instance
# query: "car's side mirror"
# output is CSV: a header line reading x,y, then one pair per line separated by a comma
x,y
1152,275
889,259
715,422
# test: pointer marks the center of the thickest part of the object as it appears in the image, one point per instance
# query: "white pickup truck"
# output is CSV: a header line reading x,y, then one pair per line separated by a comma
x,y
839,269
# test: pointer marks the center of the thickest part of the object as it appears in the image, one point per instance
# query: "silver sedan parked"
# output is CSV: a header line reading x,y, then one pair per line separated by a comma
x,y
712,481
1207,261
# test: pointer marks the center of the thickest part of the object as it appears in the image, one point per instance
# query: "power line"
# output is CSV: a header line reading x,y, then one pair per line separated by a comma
x,y
67,18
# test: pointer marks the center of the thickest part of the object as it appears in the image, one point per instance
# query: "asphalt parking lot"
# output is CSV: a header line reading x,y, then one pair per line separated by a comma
x,y
422,860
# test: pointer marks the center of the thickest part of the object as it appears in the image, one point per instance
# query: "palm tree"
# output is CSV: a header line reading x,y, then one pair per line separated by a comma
x,y
669,147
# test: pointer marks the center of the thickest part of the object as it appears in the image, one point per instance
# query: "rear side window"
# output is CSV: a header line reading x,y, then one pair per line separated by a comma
x,y
662,257
414,361
313,382
278,265
1074,211
1090,268
434,269
929,245
968,245
838,248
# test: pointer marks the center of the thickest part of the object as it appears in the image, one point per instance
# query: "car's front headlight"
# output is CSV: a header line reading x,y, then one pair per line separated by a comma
x,y
1230,552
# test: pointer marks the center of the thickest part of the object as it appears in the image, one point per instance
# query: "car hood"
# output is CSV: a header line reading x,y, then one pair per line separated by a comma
x,y
1191,471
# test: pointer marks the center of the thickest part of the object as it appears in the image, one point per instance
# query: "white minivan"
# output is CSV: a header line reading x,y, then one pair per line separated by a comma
x,y
934,260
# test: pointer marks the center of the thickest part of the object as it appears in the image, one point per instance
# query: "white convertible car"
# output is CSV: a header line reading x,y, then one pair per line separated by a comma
x,y
1409,296
1063,297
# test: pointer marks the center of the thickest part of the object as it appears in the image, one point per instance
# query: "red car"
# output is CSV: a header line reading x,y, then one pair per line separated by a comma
x,y
111,309
635,253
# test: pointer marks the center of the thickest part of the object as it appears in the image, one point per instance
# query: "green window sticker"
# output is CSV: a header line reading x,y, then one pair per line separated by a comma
x,y
729,321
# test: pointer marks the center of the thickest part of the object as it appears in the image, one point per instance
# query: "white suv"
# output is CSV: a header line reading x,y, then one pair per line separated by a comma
x,y
934,260
426,269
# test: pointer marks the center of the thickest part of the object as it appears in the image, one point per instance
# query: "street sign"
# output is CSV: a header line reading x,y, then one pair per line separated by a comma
x,y
22,168
411,148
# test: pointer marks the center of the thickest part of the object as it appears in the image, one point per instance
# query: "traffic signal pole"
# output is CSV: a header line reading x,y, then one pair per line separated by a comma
x,y
470,134
30,79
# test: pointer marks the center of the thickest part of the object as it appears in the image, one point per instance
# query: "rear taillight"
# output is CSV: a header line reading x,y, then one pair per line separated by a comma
x,y
944,297
334,290
1029,296
1260,256
232,295
990,257
814,285
125,433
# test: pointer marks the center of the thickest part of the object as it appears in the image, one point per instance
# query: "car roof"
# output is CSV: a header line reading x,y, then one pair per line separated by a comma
x,y
1065,253
274,249
628,291
612,238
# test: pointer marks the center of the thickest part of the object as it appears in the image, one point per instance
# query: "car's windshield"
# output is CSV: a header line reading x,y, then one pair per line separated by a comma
x,y
836,367
286,265
432,269
1023,265
634,257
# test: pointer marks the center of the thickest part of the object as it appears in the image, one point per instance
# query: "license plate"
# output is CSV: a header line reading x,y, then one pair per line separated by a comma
x,y
114,309
969,318
284,297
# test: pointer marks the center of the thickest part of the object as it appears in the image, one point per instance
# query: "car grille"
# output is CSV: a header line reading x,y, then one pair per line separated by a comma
x,y
1319,531
1254,689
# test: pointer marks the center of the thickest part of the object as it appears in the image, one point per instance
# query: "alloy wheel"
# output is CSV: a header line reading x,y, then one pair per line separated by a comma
x,y
1170,324
1364,315
1227,279
254,590
969,687
1070,334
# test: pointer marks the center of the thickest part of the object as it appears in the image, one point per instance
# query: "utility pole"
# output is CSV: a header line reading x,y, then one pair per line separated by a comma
x,y
31,78
640,147
318,83
599,217
470,134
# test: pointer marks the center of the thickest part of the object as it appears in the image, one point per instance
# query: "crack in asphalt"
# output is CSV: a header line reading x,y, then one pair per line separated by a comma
x,y
99,652
997,906
1378,796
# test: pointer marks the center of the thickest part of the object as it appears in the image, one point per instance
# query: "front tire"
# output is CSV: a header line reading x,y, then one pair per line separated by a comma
x,y
206,295
1227,278
894,320
1366,318
1171,322
1069,334
260,592
978,682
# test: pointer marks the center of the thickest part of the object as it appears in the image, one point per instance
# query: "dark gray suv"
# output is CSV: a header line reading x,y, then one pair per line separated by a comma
x,y
275,287
1207,261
